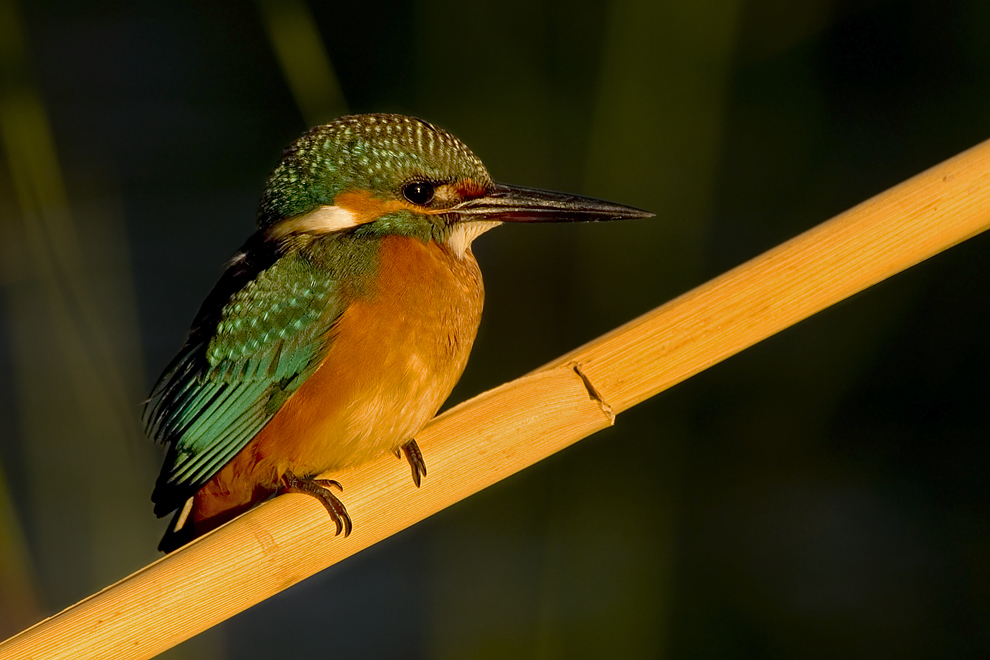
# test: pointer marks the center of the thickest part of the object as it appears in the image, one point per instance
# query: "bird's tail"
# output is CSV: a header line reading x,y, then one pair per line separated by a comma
x,y
202,513
181,529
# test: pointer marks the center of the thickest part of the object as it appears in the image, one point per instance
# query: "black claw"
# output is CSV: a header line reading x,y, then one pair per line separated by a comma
x,y
320,489
416,461
329,483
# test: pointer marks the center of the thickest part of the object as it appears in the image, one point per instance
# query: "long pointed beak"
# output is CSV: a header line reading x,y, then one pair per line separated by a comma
x,y
518,204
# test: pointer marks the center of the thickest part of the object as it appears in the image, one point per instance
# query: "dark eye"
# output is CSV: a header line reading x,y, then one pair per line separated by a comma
x,y
419,192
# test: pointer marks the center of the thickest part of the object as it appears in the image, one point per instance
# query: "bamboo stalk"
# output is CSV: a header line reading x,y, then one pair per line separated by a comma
x,y
507,429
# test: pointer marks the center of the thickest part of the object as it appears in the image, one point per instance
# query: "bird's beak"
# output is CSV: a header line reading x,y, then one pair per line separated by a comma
x,y
518,204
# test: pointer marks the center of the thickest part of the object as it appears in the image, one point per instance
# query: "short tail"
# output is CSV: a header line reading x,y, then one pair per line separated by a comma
x,y
181,529
202,513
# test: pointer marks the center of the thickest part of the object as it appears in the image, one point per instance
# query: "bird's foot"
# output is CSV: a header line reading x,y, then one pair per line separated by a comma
x,y
320,489
416,461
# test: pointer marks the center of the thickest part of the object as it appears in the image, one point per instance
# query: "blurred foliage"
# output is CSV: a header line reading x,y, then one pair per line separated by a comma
x,y
823,494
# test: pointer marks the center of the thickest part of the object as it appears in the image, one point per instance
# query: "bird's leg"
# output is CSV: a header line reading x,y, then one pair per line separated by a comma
x,y
320,489
416,462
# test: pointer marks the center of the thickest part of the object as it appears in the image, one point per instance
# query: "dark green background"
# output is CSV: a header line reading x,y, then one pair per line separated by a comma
x,y
822,495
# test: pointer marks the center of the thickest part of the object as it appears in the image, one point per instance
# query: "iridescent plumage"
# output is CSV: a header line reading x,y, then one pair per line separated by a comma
x,y
342,324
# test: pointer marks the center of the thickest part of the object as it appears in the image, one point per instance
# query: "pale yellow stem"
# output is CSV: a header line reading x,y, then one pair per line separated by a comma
x,y
507,429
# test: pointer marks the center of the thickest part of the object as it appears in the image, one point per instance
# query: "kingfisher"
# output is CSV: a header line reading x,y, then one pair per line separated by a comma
x,y
343,323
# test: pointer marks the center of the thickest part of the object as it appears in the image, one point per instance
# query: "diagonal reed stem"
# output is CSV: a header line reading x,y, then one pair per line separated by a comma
x,y
511,427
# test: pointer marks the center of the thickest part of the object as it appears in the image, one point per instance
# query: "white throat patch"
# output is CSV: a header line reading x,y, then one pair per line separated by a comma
x,y
463,234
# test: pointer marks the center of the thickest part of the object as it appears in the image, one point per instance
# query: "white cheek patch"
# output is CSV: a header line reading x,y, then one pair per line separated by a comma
x,y
322,220
463,234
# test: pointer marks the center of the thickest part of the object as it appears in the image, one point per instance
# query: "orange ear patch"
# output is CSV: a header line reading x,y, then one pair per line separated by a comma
x,y
367,208
358,207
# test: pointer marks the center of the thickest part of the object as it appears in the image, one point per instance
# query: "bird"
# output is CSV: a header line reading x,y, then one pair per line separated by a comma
x,y
341,325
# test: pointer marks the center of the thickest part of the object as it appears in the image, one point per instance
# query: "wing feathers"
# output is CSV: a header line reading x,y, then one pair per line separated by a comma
x,y
239,366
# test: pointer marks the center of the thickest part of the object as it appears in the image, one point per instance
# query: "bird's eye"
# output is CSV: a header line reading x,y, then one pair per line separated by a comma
x,y
419,192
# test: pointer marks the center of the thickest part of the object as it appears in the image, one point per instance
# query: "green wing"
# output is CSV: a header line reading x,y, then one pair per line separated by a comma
x,y
238,368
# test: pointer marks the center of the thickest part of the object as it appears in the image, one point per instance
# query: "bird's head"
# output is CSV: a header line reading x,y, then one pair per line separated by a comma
x,y
383,174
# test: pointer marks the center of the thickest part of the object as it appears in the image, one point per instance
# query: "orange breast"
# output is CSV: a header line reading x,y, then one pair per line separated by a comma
x,y
393,359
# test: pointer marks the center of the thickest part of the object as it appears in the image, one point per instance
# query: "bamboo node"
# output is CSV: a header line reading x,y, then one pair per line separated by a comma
x,y
594,394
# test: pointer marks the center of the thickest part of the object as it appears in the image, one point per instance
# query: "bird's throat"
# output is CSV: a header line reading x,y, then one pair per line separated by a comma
x,y
461,235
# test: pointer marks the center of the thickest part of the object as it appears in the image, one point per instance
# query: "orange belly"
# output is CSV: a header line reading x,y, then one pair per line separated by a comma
x,y
393,358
